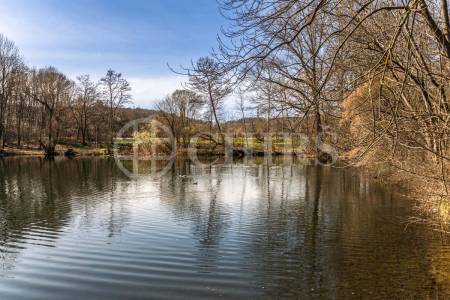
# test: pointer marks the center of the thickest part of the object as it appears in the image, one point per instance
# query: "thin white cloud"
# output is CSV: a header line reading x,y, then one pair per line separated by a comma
x,y
40,28
147,90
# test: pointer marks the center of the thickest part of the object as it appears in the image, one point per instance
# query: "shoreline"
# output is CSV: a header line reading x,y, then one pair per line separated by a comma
x,y
181,152
29,152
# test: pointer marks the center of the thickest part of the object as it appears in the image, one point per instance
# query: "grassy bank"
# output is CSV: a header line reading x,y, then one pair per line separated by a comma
x,y
60,149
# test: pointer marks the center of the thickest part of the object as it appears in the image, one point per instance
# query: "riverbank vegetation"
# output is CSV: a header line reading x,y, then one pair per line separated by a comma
x,y
375,74
42,108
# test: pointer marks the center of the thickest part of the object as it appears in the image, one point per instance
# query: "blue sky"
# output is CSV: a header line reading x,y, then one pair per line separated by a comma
x,y
135,37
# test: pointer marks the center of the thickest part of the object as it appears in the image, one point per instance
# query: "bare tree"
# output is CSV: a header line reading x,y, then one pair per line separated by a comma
x,y
207,78
9,61
285,44
116,93
241,105
52,90
86,97
179,110
21,102
44,106
388,60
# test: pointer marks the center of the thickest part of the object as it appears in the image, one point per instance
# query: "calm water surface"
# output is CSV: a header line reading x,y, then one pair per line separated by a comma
x,y
80,229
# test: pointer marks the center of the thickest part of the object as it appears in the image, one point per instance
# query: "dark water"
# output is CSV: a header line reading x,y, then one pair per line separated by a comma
x,y
80,229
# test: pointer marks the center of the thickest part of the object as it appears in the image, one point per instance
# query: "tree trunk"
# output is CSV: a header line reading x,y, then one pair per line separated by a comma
x,y
213,108
19,133
318,122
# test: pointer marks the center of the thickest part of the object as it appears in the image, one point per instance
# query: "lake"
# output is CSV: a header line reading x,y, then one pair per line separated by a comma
x,y
81,229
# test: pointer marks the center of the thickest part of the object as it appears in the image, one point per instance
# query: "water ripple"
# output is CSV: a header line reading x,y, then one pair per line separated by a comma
x,y
239,232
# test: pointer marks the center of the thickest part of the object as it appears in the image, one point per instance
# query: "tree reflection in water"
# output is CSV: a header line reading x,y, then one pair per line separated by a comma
x,y
37,195
234,230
